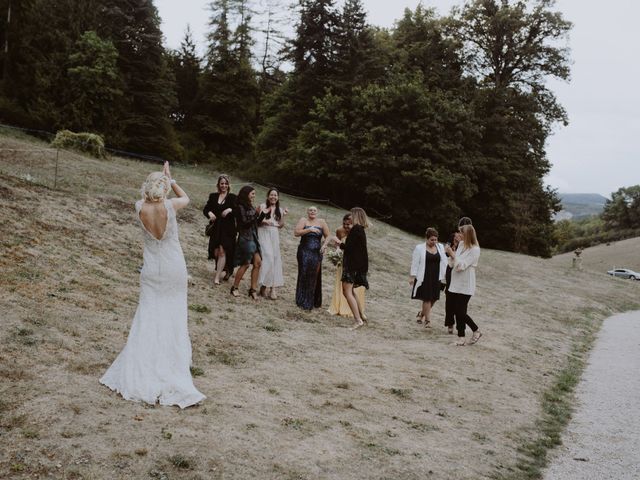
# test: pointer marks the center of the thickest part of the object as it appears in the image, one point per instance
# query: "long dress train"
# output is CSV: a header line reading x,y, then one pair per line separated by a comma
x,y
154,364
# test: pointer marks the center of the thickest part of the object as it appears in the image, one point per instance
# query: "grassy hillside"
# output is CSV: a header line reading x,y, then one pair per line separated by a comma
x,y
599,259
291,395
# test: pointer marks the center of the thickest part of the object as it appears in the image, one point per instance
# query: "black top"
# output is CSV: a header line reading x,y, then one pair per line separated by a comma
x,y
356,258
217,208
246,217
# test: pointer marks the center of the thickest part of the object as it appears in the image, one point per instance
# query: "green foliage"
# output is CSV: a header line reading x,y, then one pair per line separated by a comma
x,y
94,88
226,104
148,87
186,68
83,142
435,118
623,210
619,220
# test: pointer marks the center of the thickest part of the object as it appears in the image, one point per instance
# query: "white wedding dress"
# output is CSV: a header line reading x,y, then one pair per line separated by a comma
x,y
154,364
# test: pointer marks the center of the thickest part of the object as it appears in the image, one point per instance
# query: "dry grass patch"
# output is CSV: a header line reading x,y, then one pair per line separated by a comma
x,y
392,400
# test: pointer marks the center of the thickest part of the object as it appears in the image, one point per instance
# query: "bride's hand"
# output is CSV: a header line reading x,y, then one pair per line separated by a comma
x,y
165,170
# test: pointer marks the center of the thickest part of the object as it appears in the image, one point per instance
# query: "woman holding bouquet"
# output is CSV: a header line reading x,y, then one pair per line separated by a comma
x,y
339,305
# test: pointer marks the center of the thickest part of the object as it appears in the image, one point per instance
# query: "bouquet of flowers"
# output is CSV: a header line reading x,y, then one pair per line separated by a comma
x,y
335,256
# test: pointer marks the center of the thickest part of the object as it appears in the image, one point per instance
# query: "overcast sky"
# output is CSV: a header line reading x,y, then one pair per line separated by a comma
x,y
599,151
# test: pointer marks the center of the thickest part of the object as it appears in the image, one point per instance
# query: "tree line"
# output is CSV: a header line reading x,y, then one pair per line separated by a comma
x,y
437,117
619,219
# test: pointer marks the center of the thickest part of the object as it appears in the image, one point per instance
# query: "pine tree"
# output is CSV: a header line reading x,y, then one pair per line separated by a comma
x,y
312,54
226,115
134,28
186,67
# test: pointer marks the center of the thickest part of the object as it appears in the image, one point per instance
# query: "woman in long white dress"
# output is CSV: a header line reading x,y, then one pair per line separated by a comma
x,y
269,238
154,364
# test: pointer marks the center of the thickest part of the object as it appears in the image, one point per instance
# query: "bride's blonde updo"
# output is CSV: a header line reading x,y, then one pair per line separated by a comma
x,y
156,187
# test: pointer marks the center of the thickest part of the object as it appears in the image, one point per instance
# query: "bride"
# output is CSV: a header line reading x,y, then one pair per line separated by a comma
x,y
154,364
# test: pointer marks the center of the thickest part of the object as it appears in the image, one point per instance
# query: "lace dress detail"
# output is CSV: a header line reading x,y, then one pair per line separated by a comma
x,y
154,364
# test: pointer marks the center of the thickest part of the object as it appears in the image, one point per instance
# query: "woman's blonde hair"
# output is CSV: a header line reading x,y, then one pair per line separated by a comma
x,y
156,187
359,217
469,236
223,176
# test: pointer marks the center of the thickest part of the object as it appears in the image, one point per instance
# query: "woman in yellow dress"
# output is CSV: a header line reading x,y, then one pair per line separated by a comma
x,y
339,305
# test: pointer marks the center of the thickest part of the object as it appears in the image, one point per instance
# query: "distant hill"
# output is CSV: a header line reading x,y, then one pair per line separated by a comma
x,y
580,205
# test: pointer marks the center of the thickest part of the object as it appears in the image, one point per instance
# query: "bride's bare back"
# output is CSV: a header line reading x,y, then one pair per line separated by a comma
x,y
154,217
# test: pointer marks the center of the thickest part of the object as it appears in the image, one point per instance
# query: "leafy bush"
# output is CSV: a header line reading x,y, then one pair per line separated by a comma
x,y
90,143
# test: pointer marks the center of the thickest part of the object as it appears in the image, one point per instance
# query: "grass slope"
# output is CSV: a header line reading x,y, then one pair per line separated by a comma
x,y
291,395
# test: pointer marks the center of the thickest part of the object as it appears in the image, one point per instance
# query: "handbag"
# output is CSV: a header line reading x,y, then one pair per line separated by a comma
x,y
208,230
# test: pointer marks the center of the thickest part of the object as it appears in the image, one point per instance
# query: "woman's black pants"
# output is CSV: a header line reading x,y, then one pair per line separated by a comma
x,y
459,303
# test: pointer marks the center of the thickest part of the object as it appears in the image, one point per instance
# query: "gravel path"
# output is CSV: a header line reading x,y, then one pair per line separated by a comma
x,y
602,441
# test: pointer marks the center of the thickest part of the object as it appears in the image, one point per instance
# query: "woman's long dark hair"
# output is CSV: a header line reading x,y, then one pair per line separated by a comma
x,y
277,215
243,196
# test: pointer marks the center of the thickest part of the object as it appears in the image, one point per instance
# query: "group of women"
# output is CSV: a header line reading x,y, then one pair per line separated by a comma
x,y
244,234
154,364
450,267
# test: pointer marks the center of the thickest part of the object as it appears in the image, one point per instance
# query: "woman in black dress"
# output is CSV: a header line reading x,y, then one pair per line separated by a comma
x,y
222,241
428,268
355,263
248,247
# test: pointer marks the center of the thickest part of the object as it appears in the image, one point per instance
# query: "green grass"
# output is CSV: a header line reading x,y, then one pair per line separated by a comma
x,y
557,408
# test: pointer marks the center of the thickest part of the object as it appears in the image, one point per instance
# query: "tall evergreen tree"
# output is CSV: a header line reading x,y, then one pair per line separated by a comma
x,y
187,69
356,61
227,99
38,40
134,28
312,54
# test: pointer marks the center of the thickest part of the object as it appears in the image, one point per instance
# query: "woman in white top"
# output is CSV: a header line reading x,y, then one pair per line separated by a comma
x,y
428,268
463,281
269,238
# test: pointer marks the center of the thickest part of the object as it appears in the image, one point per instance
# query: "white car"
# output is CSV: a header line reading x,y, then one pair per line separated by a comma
x,y
624,273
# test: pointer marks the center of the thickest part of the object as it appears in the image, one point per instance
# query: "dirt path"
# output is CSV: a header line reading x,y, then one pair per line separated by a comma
x,y
603,439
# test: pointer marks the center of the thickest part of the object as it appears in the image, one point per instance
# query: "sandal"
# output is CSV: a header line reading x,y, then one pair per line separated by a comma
x,y
253,294
450,330
357,326
460,343
474,337
234,291
419,317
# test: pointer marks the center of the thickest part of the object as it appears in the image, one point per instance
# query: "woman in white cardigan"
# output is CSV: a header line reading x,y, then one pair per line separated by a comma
x,y
463,281
428,268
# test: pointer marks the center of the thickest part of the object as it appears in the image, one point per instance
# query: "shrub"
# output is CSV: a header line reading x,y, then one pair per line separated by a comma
x,y
90,143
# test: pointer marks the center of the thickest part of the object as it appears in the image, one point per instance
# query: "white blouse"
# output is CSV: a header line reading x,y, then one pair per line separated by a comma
x,y
463,273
